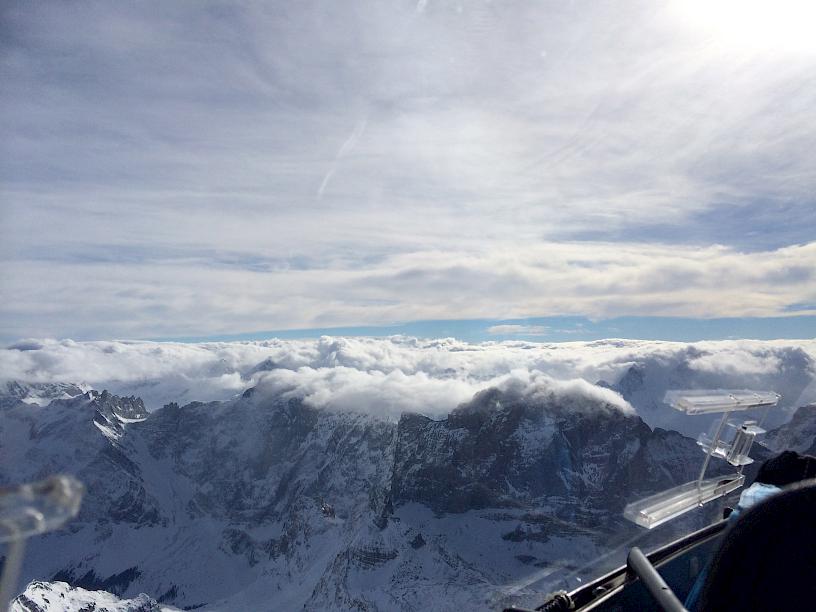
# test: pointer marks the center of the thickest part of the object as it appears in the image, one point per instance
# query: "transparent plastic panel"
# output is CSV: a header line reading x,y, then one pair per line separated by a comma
x,y
657,509
35,508
719,450
741,445
696,401
733,445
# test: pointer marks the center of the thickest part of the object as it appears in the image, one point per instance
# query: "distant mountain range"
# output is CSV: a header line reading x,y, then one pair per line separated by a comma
x,y
266,502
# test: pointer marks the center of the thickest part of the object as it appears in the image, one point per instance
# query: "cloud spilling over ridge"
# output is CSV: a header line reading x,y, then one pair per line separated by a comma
x,y
390,375
536,385
343,388
390,394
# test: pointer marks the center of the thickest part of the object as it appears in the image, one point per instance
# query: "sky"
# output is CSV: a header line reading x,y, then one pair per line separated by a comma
x,y
222,170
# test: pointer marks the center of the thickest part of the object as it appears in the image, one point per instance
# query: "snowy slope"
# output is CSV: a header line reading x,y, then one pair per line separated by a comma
x,y
61,597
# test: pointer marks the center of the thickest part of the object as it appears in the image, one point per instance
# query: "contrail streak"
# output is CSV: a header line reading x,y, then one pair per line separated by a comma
x,y
344,150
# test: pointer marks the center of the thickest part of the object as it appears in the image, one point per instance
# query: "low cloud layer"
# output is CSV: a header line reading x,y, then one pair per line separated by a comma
x,y
391,375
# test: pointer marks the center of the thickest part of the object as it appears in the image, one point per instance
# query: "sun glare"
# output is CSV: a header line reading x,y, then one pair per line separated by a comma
x,y
785,26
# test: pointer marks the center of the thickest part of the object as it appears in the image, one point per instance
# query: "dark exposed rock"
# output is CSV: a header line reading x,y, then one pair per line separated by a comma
x,y
370,556
418,541
115,583
502,451
266,365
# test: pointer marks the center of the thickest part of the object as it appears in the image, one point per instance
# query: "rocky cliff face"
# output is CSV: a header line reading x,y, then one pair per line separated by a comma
x,y
268,503
502,451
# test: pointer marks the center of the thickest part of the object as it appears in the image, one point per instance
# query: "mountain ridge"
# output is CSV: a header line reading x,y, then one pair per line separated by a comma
x,y
217,502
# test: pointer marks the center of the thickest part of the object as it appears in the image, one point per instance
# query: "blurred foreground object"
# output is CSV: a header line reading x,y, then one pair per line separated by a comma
x,y
28,510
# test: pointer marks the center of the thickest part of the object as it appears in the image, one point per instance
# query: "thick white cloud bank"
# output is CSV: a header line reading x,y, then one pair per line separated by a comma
x,y
387,376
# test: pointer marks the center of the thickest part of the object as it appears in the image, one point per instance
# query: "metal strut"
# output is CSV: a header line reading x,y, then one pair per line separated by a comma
x,y
654,583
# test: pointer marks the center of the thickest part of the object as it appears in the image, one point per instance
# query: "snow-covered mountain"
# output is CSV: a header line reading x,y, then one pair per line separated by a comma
x,y
798,434
365,473
42,596
38,393
266,502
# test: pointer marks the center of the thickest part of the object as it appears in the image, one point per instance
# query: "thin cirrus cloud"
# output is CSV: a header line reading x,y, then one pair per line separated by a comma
x,y
173,169
518,330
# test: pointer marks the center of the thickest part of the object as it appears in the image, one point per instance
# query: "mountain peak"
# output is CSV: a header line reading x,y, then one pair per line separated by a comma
x,y
41,596
39,394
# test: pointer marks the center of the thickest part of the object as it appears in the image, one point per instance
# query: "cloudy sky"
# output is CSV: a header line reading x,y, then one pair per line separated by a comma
x,y
187,169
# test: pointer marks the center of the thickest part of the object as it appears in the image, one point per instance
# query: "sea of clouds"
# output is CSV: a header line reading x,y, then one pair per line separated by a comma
x,y
387,376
